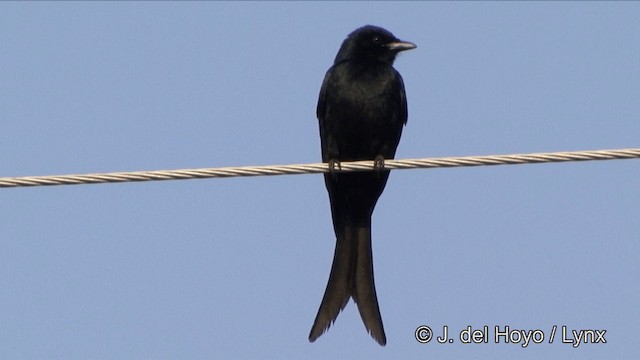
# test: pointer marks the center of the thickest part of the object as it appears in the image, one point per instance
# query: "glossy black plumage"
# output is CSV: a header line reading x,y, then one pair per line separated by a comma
x,y
361,110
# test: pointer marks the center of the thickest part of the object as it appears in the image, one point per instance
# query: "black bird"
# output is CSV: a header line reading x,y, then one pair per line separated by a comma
x,y
361,110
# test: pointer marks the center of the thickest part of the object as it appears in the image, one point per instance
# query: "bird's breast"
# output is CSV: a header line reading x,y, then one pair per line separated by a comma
x,y
362,113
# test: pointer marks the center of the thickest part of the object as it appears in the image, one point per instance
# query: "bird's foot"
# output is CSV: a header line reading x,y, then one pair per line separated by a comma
x,y
378,164
333,165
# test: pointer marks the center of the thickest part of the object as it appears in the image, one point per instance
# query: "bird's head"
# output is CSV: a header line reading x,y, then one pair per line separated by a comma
x,y
372,43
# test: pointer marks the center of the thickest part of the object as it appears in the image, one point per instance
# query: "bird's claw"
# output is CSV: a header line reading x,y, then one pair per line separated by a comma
x,y
378,163
333,165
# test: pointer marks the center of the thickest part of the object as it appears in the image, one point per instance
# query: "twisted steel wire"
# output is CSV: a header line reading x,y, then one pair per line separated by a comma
x,y
223,172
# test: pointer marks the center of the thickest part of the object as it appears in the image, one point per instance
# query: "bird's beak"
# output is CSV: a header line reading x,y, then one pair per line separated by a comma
x,y
401,46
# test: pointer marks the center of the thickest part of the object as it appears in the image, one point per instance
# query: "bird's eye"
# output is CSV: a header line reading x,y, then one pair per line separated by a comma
x,y
376,40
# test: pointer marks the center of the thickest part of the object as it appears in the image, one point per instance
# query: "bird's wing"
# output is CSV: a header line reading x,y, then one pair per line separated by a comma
x,y
325,135
404,114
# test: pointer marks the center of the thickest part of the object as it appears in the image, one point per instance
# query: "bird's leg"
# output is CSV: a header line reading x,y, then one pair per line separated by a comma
x,y
378,164
333,164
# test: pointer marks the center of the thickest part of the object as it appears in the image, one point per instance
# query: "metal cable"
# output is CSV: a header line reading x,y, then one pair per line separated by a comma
x,y
456,161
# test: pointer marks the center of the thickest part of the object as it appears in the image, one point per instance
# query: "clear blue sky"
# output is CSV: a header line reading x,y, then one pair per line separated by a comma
x,y
236,268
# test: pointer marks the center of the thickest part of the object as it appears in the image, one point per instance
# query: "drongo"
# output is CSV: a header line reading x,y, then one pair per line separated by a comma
x,y
361,110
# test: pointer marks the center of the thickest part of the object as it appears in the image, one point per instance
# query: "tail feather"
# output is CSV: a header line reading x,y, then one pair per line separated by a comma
x,y
364,291
338,289
351,276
